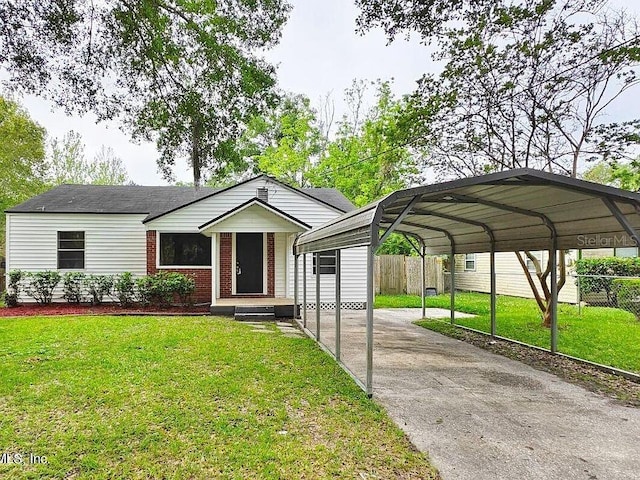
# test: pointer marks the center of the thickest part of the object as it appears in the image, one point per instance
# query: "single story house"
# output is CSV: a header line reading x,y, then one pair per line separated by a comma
x,y
237,242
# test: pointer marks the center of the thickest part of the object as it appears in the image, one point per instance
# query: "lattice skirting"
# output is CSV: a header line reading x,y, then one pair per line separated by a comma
x,y
343,306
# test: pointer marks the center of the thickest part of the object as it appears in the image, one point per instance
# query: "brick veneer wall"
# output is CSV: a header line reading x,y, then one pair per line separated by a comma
x,y
202,276
226,270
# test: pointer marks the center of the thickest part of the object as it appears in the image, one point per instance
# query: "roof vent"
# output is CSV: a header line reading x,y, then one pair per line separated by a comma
x,y
263,194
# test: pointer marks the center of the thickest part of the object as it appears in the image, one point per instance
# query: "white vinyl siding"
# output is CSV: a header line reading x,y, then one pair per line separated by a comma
x,y
255,219
113,243
189,218
353,278
510,279
280,246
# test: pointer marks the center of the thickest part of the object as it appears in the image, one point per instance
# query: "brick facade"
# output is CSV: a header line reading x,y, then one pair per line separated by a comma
x,y
202,276
226,269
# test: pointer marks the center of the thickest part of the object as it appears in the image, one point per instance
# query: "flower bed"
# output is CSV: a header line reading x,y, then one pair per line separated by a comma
x,y
37,309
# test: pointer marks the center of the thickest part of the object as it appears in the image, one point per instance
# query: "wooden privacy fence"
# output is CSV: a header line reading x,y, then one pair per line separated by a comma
x,y
397,274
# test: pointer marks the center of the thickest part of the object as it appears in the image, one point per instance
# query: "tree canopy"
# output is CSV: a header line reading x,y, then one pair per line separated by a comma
x,y
22,157
184,74
67,163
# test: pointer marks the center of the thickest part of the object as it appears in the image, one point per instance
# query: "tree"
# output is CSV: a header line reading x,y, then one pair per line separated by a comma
x,y
366,160
68,164
524,84
284,143
184,74
22,153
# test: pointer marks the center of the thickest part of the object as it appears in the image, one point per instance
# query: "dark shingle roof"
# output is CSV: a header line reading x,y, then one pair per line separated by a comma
x,y
153,201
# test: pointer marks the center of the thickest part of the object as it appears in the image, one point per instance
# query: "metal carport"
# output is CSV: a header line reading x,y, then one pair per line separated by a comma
x,y
509,211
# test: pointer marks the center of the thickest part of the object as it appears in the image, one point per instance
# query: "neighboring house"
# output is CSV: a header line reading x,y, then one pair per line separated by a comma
x,y
472,271
237,242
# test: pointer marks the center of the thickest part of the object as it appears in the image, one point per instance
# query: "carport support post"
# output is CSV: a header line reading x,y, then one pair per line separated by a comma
x,y
304,290
452,267
338,306
493,289
423,281
369,382
296,279
553,255
317,254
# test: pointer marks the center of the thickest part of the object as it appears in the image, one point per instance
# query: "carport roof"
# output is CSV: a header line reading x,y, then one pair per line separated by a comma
x,y
514,210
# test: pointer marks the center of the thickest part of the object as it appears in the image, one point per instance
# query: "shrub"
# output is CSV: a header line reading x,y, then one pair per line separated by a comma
x,y
628,294
13,289
182,286
599,272
72,286
124,289
98,286
161,289
41,286
143,290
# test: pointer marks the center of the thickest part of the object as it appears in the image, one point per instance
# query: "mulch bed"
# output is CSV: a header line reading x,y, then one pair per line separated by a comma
x,y
34,309
587,376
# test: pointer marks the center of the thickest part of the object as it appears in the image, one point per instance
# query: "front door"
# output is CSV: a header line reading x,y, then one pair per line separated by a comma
x,y
249,263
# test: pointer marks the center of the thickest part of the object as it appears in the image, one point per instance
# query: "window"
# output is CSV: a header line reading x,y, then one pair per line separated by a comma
x,y
327,263
70,250
626,252
185,250
470,262
530,265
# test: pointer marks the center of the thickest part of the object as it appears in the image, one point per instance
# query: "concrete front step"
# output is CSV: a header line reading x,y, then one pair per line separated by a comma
x,y
255,312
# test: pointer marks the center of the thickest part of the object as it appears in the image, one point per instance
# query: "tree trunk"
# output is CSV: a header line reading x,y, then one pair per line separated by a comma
x,y
542,291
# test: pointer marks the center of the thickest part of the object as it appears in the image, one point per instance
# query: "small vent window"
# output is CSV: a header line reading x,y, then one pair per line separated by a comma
x,y
263,194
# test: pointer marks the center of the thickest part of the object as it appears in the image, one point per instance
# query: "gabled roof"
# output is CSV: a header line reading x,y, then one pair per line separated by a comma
x,y
260,203
152,201
510,211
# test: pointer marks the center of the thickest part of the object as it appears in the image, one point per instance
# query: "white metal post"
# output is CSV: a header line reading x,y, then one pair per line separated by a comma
x,y
493,289
296,279
304,290
370,299
214,268
317,256
338,304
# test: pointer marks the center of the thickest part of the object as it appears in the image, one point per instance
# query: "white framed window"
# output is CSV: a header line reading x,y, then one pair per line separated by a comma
x,y
327,263
626,252
470,262
70,250
184,250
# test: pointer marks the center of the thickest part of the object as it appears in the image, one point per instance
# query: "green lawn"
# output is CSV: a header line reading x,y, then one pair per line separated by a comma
x,y
604,335
186,397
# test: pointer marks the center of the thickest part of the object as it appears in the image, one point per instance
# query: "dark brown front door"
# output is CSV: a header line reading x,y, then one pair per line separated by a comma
x,y
249,263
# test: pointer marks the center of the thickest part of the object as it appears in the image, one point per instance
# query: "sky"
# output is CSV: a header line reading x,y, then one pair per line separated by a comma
x,y
320,53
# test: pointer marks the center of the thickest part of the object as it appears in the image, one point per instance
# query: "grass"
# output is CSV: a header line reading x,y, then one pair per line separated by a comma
x,y
604,335
186,397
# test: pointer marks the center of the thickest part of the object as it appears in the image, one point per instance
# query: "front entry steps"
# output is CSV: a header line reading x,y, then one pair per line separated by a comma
x,y
253,313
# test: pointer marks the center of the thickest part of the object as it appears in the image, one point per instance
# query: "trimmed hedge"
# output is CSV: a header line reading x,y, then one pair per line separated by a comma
x,y
628,294
603,269
162,289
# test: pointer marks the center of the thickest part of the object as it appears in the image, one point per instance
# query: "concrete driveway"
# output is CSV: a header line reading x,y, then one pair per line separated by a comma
x,y
483,416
